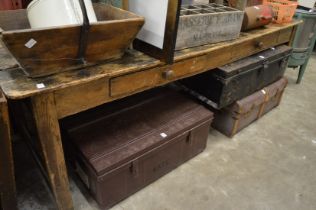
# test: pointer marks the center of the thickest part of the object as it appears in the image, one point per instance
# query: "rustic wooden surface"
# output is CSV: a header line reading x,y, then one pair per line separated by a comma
x,y
56,49
50,139
6,60
7,178
71,92
16,85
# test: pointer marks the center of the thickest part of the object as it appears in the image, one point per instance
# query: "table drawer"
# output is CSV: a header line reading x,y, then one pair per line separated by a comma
x,y
285,35
81,97
130,83
136,81
252,46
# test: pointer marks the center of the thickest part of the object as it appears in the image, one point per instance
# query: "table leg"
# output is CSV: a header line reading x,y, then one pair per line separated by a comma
x,y
45,115
7,179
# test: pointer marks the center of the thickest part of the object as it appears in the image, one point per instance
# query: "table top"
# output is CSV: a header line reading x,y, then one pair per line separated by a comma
x,y
16,85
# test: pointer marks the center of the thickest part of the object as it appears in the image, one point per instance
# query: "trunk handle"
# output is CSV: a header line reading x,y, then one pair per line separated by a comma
x,y
189,138
266,64
135,168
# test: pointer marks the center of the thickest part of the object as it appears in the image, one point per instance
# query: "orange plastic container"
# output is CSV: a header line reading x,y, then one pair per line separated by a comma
x,y
284,10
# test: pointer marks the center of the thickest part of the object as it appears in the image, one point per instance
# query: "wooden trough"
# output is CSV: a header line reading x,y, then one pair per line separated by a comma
x,y
46,51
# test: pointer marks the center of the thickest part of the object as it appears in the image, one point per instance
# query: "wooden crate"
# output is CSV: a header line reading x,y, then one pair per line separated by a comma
x,y
206,24
47,51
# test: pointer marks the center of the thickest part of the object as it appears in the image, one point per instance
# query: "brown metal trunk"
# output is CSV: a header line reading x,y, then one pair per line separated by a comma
x,y
242,113
274,94
123,147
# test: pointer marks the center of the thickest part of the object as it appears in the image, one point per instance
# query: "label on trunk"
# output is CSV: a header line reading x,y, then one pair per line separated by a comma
x,y
163,135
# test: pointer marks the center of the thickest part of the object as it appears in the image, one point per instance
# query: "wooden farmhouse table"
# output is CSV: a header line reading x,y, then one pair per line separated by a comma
x,y
55,97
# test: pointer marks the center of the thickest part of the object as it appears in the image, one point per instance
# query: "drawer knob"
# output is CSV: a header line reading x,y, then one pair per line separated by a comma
x,y
259,44
169,74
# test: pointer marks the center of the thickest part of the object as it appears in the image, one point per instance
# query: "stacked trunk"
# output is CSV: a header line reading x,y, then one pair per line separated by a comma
x,y
243,91
242,113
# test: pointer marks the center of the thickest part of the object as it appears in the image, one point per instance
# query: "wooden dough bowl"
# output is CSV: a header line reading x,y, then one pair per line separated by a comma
x,y
56,48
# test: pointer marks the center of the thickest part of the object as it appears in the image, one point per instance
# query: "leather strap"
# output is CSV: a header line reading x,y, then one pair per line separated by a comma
x,y
266,99
236,124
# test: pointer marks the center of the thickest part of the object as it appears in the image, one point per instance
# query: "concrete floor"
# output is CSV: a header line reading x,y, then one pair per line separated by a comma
x,y
271,165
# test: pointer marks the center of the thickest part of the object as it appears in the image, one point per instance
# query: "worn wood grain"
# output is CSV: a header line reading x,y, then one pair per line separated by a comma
x,y
56,48
82,97
20,20
207,26
7,179
45,115
146,79
85,96
6,60
286,34
16,85
244,37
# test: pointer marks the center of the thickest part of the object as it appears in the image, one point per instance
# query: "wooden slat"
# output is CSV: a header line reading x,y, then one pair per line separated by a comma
x,y
286,34
85,96
6,60
7,179
50,140
19,20
134,82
